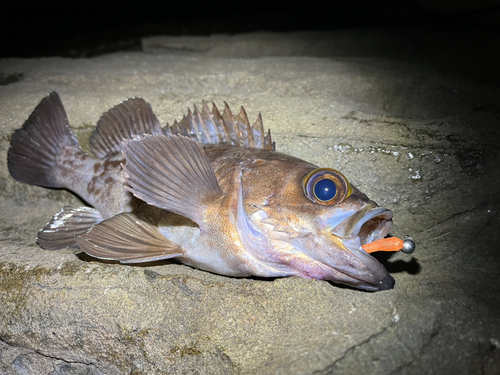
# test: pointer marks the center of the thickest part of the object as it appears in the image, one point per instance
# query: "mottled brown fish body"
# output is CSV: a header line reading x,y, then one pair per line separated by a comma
x,y
209,191
97,181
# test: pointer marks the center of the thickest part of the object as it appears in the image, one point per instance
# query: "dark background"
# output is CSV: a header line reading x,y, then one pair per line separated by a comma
x,y
90,28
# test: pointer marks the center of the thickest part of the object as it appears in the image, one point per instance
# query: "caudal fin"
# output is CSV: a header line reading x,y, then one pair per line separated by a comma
x,y
34,148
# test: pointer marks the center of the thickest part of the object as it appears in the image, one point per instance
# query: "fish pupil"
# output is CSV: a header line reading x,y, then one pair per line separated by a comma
x,y
325,189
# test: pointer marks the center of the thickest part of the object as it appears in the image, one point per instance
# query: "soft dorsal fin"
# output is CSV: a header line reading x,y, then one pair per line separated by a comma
x,y
128,239
172,173
207,127
131,117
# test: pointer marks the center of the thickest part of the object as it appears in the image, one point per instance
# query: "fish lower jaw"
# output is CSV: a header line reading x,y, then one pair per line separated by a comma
x,y
372,276
304,266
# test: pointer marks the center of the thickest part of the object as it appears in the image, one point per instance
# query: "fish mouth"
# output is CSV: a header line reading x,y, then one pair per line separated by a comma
x,y
373,226
368,225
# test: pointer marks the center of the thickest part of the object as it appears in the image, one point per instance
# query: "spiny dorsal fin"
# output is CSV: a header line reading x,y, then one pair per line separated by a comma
x,y
207,127
172,173
60,231
131,117
128,239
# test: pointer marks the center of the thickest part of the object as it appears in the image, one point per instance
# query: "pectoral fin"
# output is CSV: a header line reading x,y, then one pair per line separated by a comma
x,y
172,173
128,239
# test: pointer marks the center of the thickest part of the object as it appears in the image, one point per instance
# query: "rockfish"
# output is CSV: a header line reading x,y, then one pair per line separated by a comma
x,y
209,191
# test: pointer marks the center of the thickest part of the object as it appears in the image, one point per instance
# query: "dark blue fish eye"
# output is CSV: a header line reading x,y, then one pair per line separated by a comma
x,y
326,186
325,189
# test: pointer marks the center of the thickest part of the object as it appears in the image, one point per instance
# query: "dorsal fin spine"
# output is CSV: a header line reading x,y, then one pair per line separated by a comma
x,y
188,123
212,133
245,128
229,122
219,124
202,130
258,133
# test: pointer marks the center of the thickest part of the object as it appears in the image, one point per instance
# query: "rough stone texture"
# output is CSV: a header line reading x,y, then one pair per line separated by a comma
x,y
420,142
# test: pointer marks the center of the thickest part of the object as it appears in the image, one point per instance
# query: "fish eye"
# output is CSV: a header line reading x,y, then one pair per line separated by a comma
x,y
325,189
326,186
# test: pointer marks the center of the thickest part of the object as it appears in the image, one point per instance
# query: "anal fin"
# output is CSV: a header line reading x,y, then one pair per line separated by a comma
x,y
60,231
128,239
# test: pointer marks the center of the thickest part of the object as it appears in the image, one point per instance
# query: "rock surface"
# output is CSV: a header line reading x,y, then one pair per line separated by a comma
x,y
416,140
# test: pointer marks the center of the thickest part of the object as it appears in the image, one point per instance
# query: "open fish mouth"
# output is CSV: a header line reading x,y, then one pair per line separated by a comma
x,y
368,225
373,226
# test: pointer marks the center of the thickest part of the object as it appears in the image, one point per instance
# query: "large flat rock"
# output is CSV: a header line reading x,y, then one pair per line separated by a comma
x,y
423,143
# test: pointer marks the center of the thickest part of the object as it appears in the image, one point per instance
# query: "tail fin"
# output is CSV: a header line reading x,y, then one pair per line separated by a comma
x,y
34,148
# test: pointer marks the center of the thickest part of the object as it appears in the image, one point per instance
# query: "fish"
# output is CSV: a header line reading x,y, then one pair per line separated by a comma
x,y
209,191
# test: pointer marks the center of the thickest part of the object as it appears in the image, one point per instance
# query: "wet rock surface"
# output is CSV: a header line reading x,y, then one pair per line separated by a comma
x,y
416,140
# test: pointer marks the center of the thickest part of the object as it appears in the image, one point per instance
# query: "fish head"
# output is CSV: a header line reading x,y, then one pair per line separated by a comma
x,y
316,223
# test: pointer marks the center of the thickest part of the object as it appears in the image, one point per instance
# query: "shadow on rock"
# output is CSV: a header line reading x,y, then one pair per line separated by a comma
x,y
411,267
87,258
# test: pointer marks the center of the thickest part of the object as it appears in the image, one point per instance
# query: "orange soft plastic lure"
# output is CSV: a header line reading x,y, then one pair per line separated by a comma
x,y
390,244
